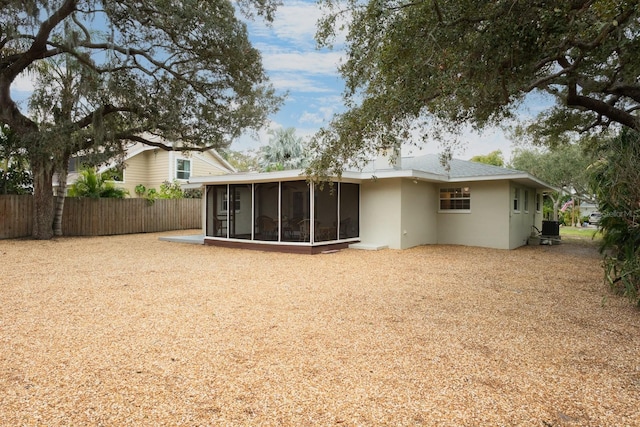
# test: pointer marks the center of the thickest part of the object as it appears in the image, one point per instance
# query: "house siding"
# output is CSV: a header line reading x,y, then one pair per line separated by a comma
x,y
134,173
521,222
486,222
206,164
158,167
380,204
419,207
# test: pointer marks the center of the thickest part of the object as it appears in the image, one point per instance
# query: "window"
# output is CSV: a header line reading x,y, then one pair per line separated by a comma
x,y
236,202
516,200
455,198
183,169
538,201
526,200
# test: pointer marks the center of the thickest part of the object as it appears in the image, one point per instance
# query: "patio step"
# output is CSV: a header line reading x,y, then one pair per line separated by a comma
x,y
368,246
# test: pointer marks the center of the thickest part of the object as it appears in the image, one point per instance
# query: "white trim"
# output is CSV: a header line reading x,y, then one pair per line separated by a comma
x,y
516,196
176,170
312,214
253,211
279,211
522,179
172,162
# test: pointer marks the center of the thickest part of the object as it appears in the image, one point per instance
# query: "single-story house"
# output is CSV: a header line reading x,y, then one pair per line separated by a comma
x,y
151,166
415,201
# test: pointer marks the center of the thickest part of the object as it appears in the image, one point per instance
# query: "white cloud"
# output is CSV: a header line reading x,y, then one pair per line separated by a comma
x,y
311,62
298,83
294,23
297,21
466,145
313,118
322,116
23,83
253,140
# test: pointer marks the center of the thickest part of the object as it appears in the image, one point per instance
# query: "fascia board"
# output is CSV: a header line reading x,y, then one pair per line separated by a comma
x,y
247,178
523,177
403,173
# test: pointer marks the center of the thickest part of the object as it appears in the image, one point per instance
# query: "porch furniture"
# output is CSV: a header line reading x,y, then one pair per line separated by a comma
x,y
218,226
305,230
267,226
326,233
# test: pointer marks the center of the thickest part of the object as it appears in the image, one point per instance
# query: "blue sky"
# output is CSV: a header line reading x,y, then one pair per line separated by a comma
x,y
314,86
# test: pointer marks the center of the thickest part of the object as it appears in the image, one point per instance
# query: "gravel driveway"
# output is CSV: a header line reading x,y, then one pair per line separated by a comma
x,y
130,330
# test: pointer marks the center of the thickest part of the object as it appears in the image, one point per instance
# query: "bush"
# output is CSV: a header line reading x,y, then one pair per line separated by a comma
x,y
168,190
93,185
616,182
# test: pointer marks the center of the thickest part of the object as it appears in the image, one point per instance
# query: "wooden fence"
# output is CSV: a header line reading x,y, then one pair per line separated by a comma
x,y
100,217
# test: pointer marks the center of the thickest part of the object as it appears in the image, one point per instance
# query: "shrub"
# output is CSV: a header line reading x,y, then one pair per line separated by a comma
x,y
616,182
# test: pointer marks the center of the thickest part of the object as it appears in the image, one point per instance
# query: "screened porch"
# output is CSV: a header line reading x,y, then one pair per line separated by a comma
x,y
292,213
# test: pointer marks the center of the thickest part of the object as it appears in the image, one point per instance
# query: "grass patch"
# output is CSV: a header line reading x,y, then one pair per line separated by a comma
x,y
580,233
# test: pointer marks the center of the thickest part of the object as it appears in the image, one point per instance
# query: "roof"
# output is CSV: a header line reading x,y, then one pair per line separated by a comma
x,y
425,168
457,168
139,147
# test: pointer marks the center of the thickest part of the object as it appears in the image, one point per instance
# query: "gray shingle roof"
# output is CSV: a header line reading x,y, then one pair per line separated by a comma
x,y
430,163
459,168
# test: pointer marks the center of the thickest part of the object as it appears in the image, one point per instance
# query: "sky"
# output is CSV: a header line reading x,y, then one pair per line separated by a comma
x,y
310,77
313,86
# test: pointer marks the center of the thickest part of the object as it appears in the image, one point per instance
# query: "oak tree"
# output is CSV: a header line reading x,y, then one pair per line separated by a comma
x,y
180,71
430,66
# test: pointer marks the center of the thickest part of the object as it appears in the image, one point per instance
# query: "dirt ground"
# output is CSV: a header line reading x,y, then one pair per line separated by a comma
x,y
130,330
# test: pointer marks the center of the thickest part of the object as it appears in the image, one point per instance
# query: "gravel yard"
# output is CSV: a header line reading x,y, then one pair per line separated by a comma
x,y
133,331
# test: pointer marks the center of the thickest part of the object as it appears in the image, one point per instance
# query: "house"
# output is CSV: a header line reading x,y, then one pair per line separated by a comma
x,y
150,166
415,201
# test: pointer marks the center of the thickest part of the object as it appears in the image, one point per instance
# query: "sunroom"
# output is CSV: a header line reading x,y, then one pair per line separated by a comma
x,y
282,213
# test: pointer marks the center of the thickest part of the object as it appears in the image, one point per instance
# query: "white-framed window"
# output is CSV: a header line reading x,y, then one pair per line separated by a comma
x,y
455,199
516,200
526,200
225,202
183,168
538,202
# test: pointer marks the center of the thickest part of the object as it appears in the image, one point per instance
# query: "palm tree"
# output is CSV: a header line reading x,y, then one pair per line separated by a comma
x,y
93,185
284,151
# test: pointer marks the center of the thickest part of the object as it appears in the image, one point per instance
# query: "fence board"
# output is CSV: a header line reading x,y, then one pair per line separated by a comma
x,y
15,216
99,217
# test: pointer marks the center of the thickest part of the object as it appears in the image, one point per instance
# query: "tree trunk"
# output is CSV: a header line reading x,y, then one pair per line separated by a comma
x,y
60,197
42,170
556,207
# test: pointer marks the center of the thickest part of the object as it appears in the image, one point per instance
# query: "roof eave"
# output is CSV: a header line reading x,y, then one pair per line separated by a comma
x,y
524,178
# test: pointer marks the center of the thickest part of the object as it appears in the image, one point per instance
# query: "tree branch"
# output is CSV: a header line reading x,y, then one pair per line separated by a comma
x,y
600,107
137,138
104,110
38,49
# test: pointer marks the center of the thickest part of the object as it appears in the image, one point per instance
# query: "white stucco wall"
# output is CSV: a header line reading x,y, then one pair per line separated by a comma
x,y
401,214
487,222
380,218
521,221
419,214
398,213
